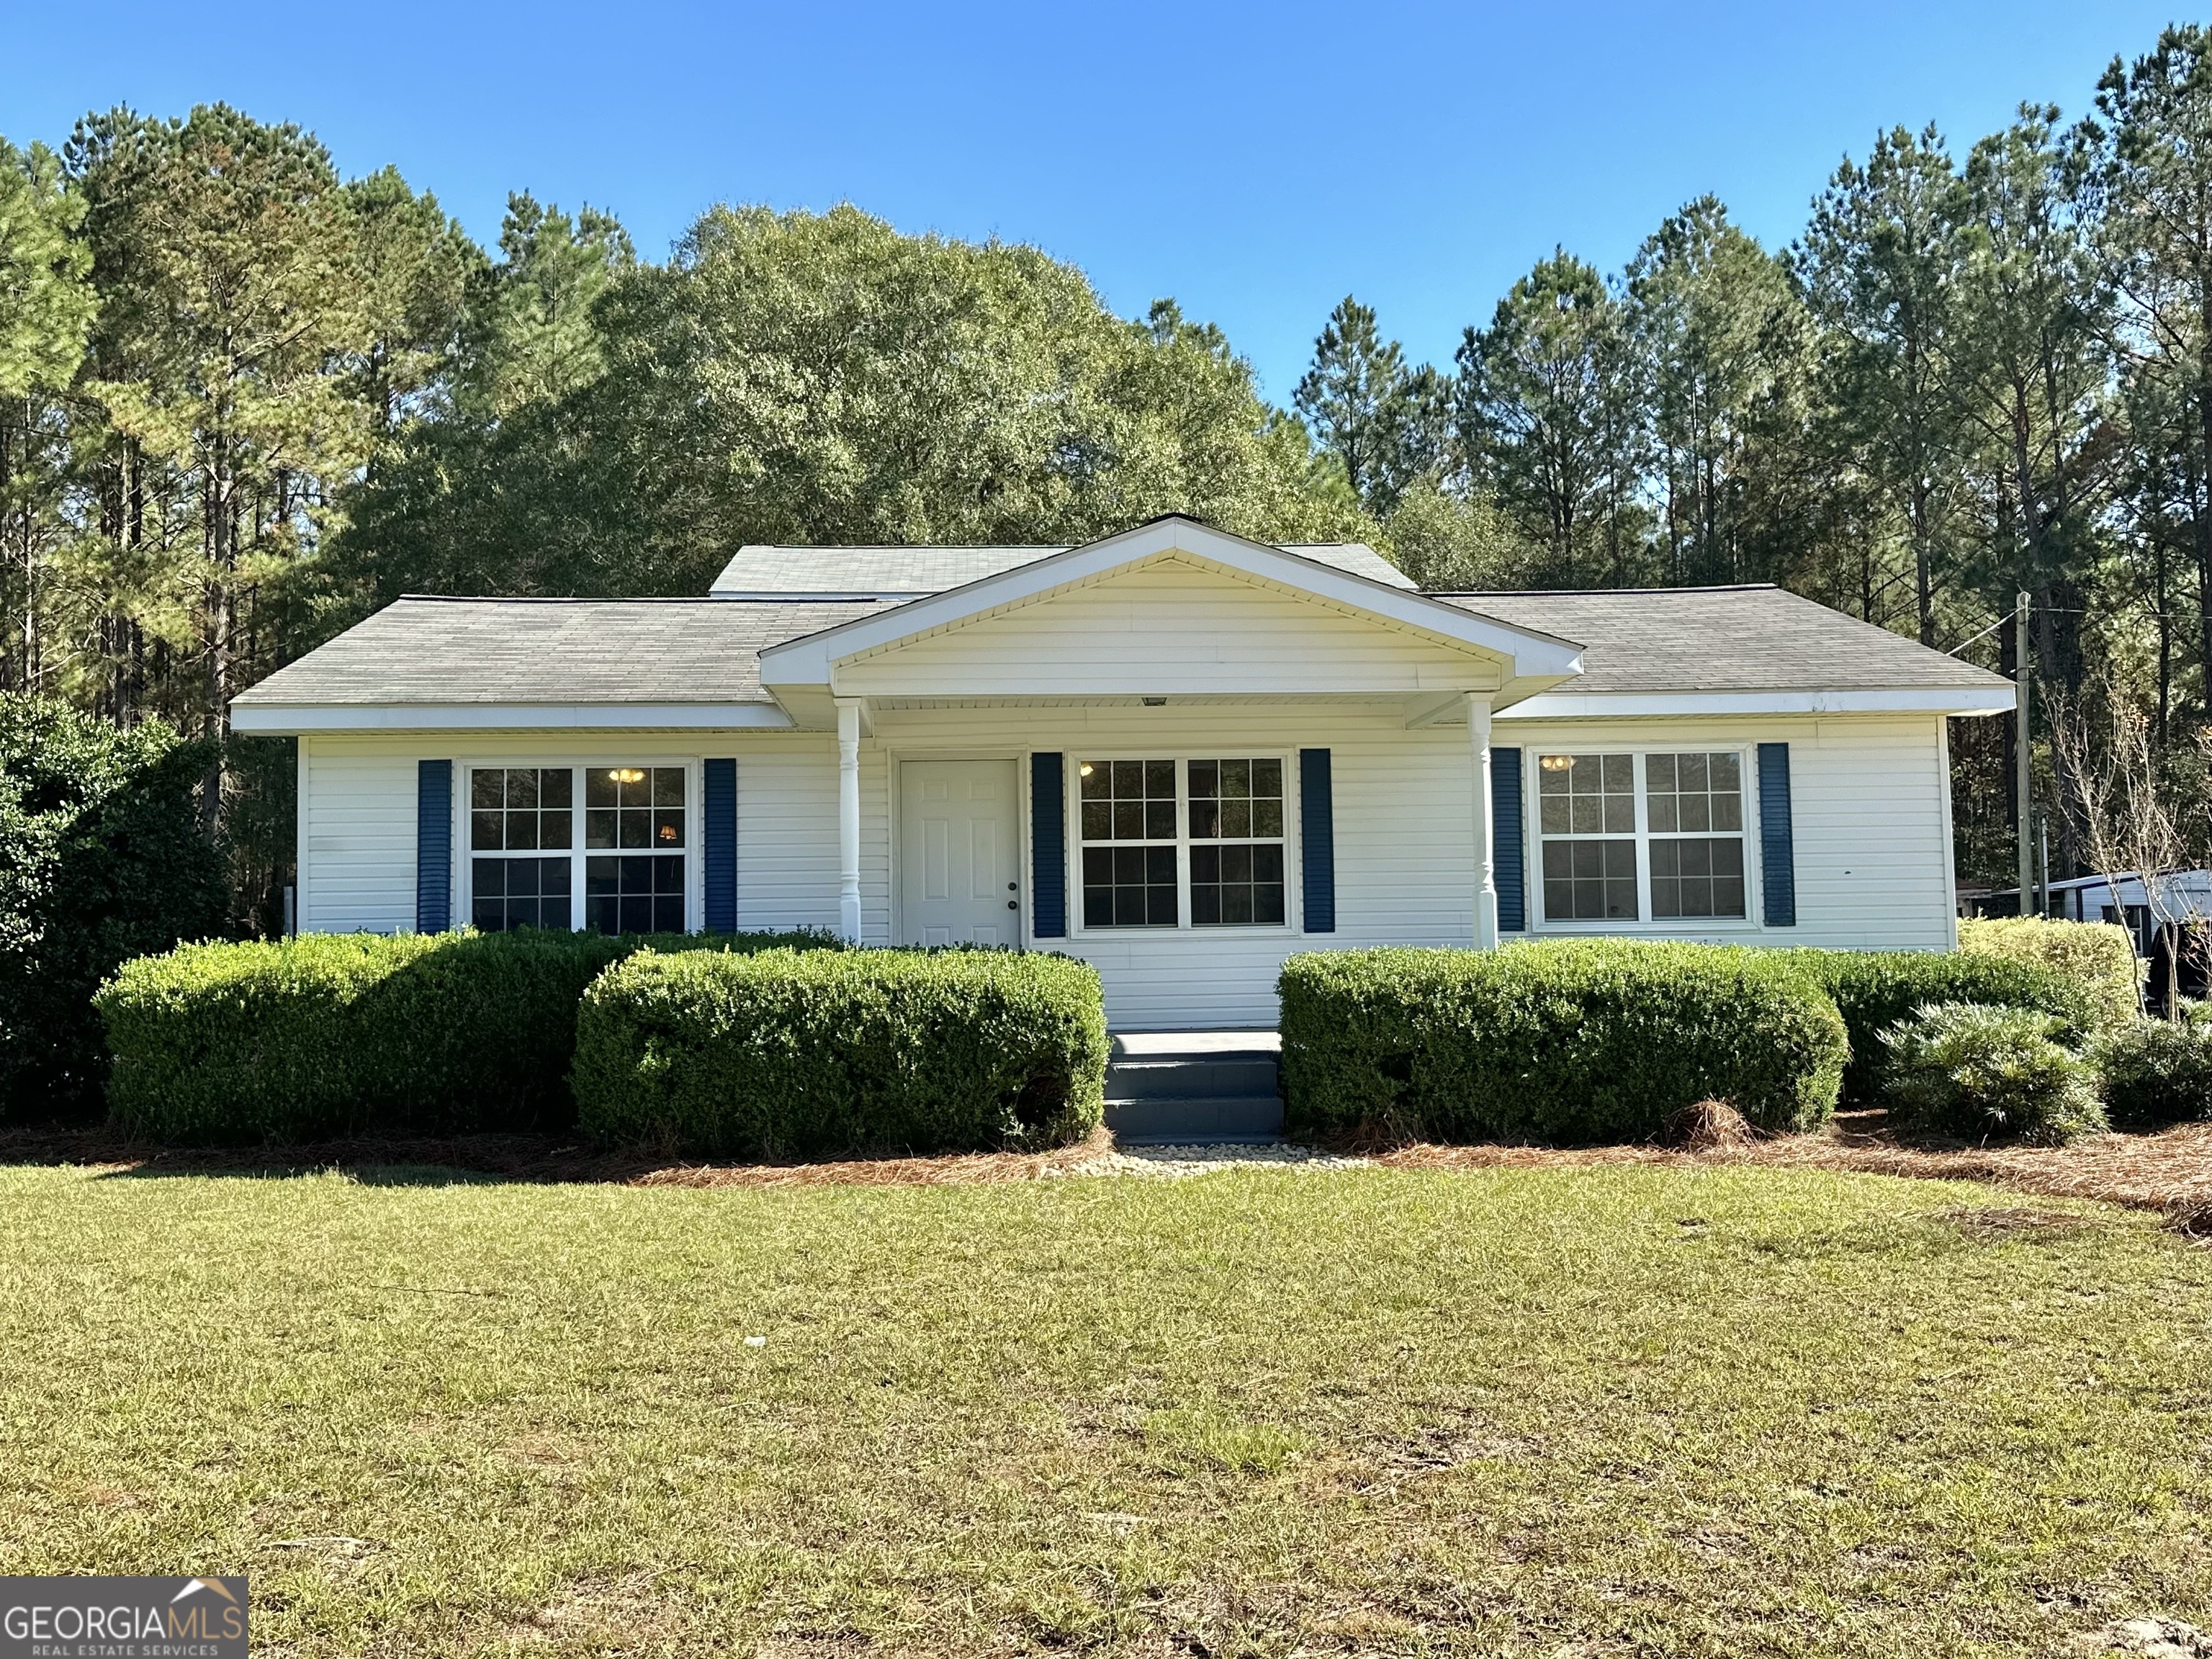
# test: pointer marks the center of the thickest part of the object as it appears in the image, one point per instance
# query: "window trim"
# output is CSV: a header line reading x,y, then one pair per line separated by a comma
x,y
1183,752
464,877
1535,747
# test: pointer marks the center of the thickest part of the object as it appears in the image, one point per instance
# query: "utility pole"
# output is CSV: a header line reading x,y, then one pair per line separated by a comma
x,y
2019,747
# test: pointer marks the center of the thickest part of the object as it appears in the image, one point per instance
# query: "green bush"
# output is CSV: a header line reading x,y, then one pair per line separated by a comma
x,y
2096,955
357,1033
1979,1073
103,857
1570,1042
788,1055
1874,990
2156,1071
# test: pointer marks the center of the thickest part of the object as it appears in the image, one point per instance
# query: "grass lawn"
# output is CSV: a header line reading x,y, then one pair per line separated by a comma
x,y
1621,1410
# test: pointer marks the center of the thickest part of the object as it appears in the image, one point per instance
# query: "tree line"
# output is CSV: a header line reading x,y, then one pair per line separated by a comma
x,y
1970,375
244,400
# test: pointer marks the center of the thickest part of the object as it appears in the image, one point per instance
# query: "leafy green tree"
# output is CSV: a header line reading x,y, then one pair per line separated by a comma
x,y
101,859
1881,267
46,308
1449,540
803,378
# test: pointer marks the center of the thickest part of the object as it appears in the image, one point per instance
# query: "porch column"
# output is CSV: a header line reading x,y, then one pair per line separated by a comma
x,y
848,818
1486,888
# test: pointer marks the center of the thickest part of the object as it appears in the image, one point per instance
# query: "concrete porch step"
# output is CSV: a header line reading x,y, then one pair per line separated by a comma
x,y
1165,1087
1170,1120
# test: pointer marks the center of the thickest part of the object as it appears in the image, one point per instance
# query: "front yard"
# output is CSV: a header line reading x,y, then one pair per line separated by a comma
x,y
1633,1410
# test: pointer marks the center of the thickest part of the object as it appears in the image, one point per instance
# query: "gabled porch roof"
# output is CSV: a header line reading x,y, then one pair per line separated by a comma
x,y
1447,650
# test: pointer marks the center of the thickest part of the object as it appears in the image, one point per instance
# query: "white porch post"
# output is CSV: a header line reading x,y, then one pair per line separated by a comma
x,y
1485,890
848,818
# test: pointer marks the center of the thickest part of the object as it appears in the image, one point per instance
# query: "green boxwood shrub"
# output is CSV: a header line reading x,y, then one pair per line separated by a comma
x,y
785,1054
2096,955
2156,1071
1874,990
332,1033
1979,1073
1568,1043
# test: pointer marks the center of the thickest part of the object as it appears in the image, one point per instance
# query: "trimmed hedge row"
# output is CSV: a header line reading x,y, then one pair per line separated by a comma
x,y
335,1034
1874,990
1572,1041
783,1055
2097,956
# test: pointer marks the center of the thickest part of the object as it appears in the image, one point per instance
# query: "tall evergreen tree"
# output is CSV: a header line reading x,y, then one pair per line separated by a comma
x,y
1880,268
46,308
235,316
1384,422
2154,175
1545,413
1716,323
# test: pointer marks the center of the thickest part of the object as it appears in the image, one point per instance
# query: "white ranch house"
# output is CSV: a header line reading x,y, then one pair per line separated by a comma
x,y
1177,754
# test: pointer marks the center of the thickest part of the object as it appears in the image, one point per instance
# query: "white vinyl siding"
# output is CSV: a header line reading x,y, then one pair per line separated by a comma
x,y
1171,627
1873,863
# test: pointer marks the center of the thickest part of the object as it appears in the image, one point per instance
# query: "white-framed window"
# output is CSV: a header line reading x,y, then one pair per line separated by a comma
x,y
615,837
1181,841
1627,835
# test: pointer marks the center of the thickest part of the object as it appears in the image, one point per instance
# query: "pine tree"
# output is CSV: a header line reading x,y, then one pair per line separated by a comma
x,y
46,308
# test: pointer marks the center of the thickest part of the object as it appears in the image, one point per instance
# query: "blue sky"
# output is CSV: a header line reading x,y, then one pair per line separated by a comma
x,y
1257,162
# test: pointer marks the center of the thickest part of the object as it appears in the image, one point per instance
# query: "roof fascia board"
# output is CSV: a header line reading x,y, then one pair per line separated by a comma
x,y
289,719
808,660
1603,705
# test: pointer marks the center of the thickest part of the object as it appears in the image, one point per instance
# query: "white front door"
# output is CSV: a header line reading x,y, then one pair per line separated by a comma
x,y
959,880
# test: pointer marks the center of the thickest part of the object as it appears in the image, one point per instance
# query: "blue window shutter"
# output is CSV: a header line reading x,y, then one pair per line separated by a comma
x,y
1508,860
1317,835
1048,846
434,846
1776,854
718,845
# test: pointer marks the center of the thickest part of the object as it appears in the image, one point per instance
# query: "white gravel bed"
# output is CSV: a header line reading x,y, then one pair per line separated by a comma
x,y
1177,1163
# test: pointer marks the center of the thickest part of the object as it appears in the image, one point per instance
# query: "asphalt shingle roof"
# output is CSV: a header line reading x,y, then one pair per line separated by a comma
x,y
764,571
431,651
550,650
1724,639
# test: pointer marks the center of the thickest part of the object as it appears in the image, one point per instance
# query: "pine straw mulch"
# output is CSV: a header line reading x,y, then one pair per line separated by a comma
x,y
2169,1171
526,1157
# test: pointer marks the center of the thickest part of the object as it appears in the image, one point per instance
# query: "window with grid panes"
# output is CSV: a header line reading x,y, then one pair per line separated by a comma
x,y
1236,860
1695,805
517,816
1126,819
1586,820
634,842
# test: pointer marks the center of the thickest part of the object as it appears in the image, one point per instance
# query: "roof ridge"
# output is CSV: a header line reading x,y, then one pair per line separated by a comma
x,y
1555,593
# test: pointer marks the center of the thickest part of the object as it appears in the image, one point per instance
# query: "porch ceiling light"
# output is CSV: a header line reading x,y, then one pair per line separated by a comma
x,y
1155,703
626,775
1556,763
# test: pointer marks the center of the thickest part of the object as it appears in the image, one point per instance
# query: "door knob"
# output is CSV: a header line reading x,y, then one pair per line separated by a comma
x,y
1010,905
